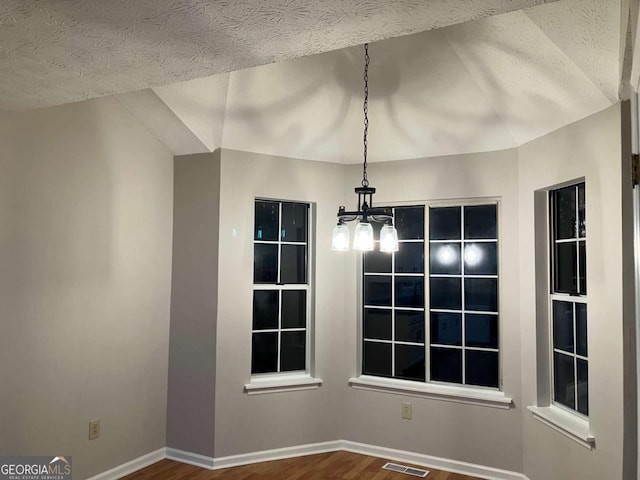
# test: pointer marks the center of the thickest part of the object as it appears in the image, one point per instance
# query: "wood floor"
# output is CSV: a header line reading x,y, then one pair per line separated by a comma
x,y
334,465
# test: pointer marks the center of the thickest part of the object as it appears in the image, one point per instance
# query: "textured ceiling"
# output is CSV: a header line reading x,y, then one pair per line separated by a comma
x,y
60,51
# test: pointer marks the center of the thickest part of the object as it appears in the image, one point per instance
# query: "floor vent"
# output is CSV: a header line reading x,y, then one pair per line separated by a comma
x,y
416,472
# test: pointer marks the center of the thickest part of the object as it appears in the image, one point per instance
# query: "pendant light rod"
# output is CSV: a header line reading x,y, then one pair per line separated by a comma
x,y
365,109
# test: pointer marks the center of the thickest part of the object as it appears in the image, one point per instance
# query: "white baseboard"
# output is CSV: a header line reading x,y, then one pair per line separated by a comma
x,y
211,463
131,466
190,458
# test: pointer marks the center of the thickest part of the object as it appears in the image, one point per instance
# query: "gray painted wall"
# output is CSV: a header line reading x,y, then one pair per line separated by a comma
x,y
85,272
194,294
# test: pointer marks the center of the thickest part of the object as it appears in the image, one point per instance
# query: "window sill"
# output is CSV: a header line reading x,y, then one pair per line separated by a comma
x,y
571,426
448,393
281,383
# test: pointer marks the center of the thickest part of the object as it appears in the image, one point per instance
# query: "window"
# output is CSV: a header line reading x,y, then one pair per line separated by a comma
x,y
568,301
281,287
459,343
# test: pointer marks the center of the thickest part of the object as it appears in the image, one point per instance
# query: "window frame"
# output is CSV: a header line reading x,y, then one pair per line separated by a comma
x,y
457,393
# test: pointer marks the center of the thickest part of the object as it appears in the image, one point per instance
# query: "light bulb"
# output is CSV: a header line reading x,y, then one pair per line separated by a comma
x,y
340,238
472,255
388,239
447,255
363,237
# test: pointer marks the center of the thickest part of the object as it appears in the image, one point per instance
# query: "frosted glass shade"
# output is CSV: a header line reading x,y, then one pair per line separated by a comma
x,y
388,239
363,237
340,238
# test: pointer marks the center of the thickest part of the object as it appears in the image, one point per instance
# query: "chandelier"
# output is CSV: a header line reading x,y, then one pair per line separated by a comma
x,y
365,213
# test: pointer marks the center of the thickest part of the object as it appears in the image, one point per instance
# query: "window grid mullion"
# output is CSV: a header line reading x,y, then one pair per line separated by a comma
x,y
462,302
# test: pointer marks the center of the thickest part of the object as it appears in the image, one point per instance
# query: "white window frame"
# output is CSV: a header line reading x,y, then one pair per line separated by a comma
x,y
279,381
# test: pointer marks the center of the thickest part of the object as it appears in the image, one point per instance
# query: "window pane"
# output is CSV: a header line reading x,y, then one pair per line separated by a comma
x,y
582,251
377,324
480,221
583,387
294,222
409,221
481,294
410,258
266,221
377,262
376,359
582,221
410,362
410,292
377,290
481,368
294,309
265,263
264,352
563,326
446,365
564,383
581,329
446,328
293,263
444,223
481,330
409,326
444,258
292,351
565,268
265,309
565,213
445,293
481,258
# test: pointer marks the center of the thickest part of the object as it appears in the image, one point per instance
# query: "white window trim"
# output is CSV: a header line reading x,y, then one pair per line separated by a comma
x,y
449,393
282,382
567,423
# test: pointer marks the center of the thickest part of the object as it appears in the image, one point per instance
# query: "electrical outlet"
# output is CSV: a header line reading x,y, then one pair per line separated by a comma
x,y
406,411
94,429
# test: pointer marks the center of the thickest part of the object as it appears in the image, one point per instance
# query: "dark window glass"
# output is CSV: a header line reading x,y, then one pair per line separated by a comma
x,y
444,223
481,294
377,323
265,309
481,368
481,258
480,221
581,329
410,258
377,262
294,308
294,222
409,326
293,268
409,292
410,362
565,268
583,387
446,365
409,221
565,213
377,359
265,263
582,250
564,382
292,351
446,328
444,258
481,330
377,290
266,221
582,221
264,352
563,326
446,293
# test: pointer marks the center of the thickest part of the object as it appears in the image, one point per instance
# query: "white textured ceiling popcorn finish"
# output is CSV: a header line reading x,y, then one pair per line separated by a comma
x,y
54,52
